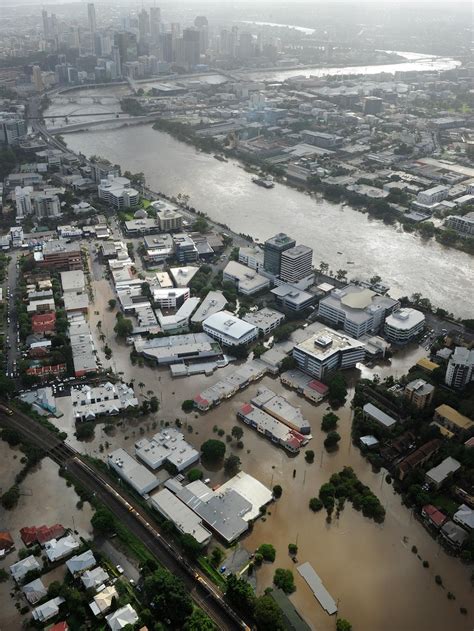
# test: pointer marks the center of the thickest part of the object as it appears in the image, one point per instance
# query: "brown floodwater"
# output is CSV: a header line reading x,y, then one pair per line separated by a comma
x,y
368,568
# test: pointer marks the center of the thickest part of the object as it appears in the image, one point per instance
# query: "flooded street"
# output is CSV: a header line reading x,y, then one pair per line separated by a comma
x,y
45,499
368,568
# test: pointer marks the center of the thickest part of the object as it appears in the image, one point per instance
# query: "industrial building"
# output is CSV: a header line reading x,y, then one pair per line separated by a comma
x,y
185,519
169,446
134,473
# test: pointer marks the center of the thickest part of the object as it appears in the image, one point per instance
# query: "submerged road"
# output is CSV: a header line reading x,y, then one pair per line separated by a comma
x,y
131,515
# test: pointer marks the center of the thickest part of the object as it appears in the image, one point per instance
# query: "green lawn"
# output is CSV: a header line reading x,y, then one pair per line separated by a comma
x,y
445,504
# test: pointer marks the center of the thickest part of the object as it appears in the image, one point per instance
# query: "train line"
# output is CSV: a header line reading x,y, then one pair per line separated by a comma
x,y
132,516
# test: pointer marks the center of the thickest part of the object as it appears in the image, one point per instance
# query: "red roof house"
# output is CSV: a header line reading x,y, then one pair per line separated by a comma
x,y
59,626
6,541
433,515
43,322
28,535
41,534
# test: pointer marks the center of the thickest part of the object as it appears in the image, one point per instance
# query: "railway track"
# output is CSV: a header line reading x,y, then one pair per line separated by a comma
x,y
204,594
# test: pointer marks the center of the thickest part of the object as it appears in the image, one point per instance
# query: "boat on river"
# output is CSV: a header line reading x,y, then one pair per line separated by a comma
x,y
266,182
220,157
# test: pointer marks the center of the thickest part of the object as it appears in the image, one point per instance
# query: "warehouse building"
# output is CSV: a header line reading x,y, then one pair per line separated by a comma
x,y
134,473
166,446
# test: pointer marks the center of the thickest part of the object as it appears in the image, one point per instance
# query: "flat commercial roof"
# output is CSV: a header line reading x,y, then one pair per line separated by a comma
x,y
221,511
378,415
73,280
405,319
264,318
326,601
443,470
168,445
250,489
228,324
182,276
185,519
214,302
132,471
326,342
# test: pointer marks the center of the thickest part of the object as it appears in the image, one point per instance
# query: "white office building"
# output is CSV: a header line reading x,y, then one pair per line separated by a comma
x,y
252,257
404,325
296,264
433,195
357,310
460,370
228,329
266,320
118,192
462,224
327,351
247,281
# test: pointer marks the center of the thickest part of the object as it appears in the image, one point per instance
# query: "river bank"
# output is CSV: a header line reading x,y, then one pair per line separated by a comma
x,y
377,209
225,192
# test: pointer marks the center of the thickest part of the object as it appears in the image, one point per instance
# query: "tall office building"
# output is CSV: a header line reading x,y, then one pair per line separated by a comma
x,y
167,47
273,250
91,17
92,25
117,61
192,47
296,264
246,46
143,26
155,24
46,29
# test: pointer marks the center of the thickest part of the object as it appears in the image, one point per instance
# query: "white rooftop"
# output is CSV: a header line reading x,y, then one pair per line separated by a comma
x,y
228,324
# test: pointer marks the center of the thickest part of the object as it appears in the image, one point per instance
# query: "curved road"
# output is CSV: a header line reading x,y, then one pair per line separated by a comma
x,y
131,516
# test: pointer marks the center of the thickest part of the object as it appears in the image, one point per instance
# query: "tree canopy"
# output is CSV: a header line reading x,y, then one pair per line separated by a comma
x,y
213,450
168,596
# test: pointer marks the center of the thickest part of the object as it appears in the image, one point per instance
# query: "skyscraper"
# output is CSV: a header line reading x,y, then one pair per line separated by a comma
x,y
46,29
167,47
117,61
143,25
91,17
155,24
192,47
92,25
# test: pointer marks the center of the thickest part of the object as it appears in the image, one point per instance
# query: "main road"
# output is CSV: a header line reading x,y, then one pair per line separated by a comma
x,y
130,514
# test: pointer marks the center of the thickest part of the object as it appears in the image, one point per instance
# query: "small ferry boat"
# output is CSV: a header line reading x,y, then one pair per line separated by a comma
x,y
266,182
